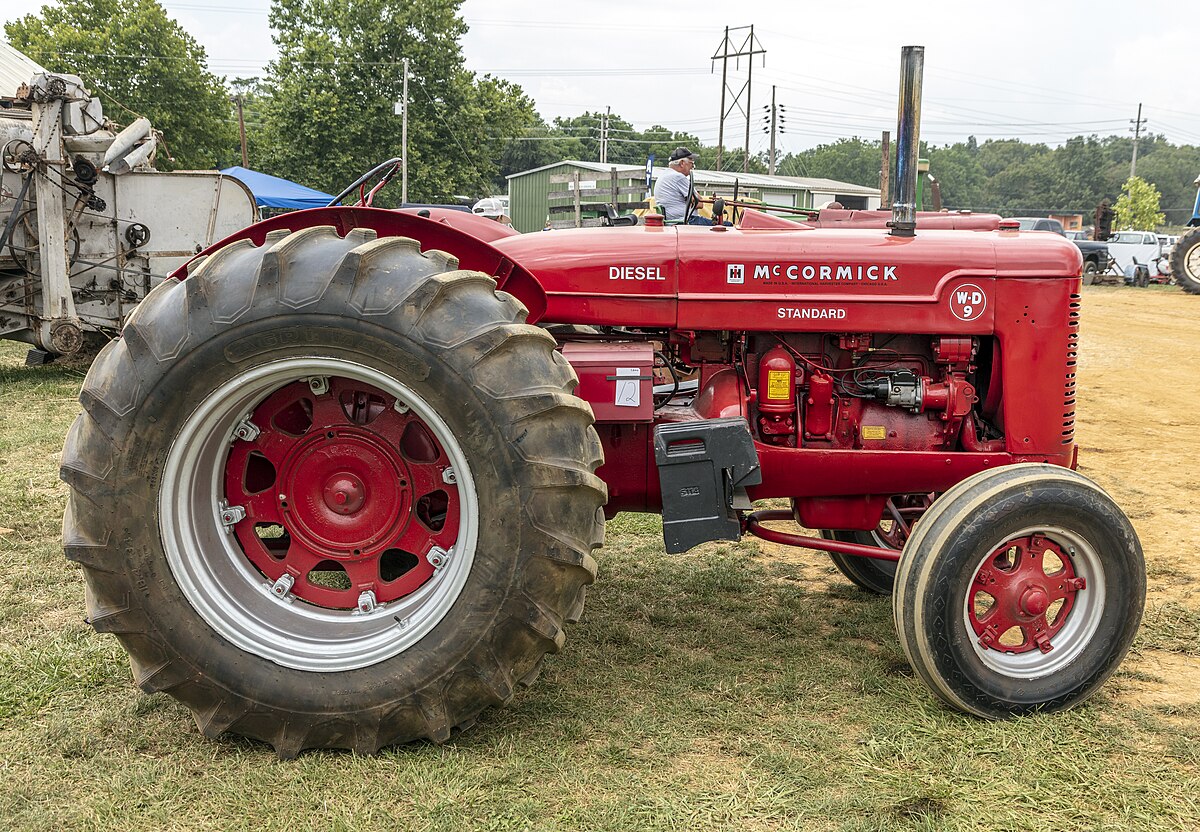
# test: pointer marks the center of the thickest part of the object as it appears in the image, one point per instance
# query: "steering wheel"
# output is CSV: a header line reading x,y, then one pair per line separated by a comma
x,y
365,197
693,202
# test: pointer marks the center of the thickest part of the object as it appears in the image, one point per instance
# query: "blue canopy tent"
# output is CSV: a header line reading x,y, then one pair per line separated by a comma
x,y
273,192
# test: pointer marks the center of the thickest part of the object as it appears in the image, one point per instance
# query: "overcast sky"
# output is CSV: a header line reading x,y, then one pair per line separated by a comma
x,y
1041,71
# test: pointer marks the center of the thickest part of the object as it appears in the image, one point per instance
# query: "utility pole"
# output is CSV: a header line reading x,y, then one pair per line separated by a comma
x,y
604,134
885,170
724,88
242,130
776,119
1137,132
749,47
404,141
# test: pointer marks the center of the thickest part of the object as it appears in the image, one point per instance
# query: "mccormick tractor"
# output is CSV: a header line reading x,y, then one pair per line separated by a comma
x,y
339,483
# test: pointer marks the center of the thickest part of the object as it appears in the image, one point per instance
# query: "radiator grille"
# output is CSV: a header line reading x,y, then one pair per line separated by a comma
x,y
1068,425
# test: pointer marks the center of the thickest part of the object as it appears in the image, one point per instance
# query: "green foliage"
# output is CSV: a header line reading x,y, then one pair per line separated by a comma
x,y
139,61
1137,207
543,145
846,160
332,91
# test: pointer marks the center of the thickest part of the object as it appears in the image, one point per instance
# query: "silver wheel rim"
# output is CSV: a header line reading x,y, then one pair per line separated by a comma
x,y
1082,621
232,596
1192,262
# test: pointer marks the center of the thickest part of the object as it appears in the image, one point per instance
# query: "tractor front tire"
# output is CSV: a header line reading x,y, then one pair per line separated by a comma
x,y
330,493
1185,262
1021,590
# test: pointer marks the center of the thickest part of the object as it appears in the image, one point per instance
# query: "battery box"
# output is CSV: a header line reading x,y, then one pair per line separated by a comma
x,y
615,379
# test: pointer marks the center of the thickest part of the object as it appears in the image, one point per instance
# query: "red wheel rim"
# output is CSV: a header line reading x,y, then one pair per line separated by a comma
x,y
1022,595
900,515
344,490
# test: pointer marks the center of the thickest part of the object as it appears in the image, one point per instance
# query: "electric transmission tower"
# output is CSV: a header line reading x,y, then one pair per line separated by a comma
x,y
749,47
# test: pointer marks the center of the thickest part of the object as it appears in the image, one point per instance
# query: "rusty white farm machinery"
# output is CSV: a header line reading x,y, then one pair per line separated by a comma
x,y
88,227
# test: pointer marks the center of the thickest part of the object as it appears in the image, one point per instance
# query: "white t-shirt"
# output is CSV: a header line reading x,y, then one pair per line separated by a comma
x,y
671,193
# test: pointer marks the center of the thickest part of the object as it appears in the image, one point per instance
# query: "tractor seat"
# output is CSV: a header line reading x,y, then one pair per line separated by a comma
x,y
612,218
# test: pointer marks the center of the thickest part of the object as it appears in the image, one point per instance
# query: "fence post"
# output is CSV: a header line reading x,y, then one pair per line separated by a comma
x,y
578,214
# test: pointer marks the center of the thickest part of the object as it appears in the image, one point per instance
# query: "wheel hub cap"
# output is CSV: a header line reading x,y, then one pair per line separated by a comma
x,y
344,493
328,504
1034,601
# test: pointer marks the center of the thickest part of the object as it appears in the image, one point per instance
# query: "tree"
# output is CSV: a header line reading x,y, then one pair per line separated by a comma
x,y
542,145
845,160
1137,207
958,173
336,80
255,98
140,62
1173,171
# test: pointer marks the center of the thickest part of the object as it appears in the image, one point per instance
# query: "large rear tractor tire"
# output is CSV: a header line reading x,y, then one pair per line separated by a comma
x,y
1020,591
330,493
1185,262
870,574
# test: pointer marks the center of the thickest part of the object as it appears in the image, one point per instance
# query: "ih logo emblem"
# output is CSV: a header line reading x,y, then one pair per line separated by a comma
x,y
967,302
735,273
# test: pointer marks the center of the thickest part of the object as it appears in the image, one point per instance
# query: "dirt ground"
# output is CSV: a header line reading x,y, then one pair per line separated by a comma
x,y
1138,430
1138,426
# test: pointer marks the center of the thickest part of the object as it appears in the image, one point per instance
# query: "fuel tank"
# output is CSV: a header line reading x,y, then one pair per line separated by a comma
x,y
795,279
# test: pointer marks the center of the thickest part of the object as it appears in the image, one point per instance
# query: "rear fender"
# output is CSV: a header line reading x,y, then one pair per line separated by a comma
x,y
448,231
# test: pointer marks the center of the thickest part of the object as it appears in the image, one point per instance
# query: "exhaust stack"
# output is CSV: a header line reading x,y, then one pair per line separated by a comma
x,y
908,141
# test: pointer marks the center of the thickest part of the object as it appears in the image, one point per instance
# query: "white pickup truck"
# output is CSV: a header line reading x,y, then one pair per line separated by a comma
x,y
1129,249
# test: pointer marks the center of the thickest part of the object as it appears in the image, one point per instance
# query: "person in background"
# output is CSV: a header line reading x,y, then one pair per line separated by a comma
x,y
1104,220
493,209
674,192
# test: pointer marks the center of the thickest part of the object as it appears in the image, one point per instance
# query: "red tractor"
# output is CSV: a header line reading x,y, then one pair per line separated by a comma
x,y
339,483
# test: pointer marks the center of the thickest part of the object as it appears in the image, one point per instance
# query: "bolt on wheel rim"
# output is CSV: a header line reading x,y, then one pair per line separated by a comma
x,y
1035,602
318,513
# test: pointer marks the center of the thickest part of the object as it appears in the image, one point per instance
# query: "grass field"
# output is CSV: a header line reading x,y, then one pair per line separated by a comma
x,y
729,688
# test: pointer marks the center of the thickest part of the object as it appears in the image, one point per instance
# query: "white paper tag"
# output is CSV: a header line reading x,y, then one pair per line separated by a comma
x,y
629,390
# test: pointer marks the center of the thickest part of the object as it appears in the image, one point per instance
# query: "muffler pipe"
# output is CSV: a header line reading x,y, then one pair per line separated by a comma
x,y
908,141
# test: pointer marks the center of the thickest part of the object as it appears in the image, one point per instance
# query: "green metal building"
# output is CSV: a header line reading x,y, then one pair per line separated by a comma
x,y
572,193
